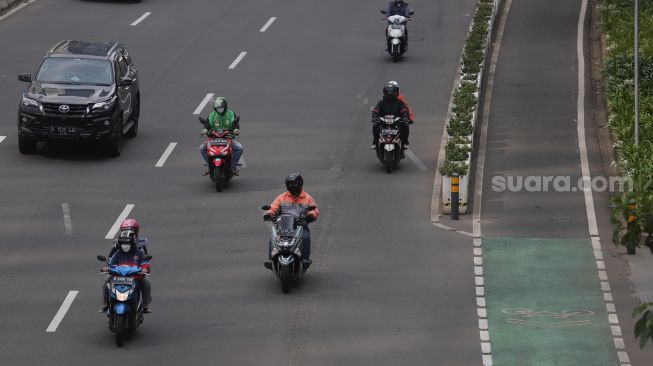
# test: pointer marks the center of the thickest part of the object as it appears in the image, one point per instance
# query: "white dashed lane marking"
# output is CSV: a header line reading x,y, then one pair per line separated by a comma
x,y
58,317
268,24
2,138
165,155
240,57
135,22
67,221
206,99
116,225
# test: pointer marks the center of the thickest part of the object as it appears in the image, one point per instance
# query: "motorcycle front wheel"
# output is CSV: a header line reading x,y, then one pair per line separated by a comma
x,y
121,329
218,178
284,278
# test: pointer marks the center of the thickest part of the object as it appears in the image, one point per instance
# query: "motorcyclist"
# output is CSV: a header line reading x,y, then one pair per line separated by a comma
x,y
400,7
295,198
222,119
411,116
129,255
390,105
126,226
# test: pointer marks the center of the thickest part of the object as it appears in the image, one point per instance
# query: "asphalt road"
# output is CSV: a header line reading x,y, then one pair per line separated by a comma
x,y
386,287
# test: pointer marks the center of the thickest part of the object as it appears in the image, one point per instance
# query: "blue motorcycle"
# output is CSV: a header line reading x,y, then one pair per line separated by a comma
x,y
125,312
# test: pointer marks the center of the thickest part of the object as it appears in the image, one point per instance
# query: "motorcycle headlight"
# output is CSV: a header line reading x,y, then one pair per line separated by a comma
x,y
104,106
31,105
122,296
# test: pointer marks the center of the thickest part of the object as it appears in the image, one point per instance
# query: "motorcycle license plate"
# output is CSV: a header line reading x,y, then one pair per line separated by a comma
x,y
123,280
219,142
389,132
62,131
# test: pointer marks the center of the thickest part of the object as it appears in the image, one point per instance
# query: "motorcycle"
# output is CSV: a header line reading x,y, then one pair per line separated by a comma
x,y
125,312
389,149
219,147
287,243
396,34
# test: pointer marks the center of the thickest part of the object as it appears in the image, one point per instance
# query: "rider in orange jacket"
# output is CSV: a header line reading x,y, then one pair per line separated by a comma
x,y
295,200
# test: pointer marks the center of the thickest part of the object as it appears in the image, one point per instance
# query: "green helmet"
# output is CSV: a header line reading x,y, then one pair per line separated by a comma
x,y
220,105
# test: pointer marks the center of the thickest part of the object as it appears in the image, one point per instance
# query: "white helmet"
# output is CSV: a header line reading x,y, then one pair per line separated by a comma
x,y
394,83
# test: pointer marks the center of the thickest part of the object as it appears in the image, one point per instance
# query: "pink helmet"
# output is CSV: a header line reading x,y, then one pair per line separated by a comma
x,y
130,224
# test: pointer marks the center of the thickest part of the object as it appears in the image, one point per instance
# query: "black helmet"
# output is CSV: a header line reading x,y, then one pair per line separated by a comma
x,y
294,183
399,2
390,92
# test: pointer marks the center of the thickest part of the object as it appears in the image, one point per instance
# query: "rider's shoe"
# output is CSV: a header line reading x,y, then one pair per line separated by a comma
x,y
147,309
103,309
373,147
268,265
235,171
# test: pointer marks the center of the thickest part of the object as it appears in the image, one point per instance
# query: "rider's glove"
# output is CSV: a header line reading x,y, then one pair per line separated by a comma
x,y
204,132
236,132
104,269
309,218
267,217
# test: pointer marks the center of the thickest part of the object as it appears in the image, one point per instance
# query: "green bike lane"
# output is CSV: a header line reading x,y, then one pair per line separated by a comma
x,y
543,303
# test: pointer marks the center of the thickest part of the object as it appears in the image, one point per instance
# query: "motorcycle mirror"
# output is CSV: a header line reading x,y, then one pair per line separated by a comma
x,y
202,120
101,258
311,208
147,257
266,207
383,11
411,13
237,119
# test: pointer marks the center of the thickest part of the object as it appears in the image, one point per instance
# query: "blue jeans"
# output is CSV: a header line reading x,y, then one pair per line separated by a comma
x,y
235,158
306,253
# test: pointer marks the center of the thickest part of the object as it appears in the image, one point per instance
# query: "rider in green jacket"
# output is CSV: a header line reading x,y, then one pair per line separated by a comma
x,y
222,119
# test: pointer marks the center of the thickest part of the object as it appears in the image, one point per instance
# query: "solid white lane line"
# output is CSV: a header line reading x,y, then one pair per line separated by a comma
x,y
116,225
135,22
240,57
16,9
58,317
613,319
206,99
67,222
166,154
416,160
580,110
2,138
268,24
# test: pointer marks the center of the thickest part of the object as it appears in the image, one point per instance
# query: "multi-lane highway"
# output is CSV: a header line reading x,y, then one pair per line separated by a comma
x,y
386,286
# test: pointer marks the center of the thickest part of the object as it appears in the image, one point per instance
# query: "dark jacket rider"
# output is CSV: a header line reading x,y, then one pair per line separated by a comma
x,y
390,105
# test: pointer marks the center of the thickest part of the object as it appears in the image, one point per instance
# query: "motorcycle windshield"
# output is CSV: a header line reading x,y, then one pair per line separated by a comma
x,y
124,270
286,226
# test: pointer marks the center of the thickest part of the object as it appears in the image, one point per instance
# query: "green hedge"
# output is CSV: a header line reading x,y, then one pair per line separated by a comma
x,y
464,98
632,213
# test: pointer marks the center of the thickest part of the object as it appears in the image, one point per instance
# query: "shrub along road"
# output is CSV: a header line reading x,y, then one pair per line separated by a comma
x,y
386,288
